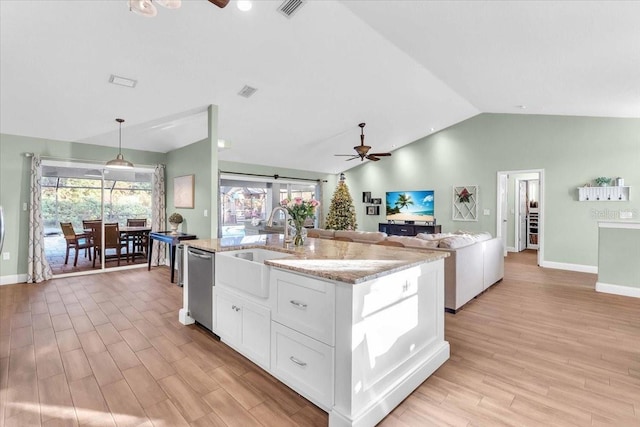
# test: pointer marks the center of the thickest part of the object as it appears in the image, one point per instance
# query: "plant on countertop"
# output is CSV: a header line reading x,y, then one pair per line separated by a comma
x,y
299,210
176,218
602,180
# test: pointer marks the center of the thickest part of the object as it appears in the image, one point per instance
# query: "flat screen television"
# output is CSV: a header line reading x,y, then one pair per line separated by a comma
x,y
410,206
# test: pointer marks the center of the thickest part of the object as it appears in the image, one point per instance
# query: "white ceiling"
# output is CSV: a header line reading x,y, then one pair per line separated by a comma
x,y
403,67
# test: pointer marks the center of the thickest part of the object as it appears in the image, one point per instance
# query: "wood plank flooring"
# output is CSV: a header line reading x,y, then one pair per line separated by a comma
x,y
540,348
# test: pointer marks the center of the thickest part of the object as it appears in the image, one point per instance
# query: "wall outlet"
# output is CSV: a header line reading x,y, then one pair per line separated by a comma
x,y
487,212
6,256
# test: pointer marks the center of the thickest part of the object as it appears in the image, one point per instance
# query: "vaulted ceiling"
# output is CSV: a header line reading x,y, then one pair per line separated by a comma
x,y
406,68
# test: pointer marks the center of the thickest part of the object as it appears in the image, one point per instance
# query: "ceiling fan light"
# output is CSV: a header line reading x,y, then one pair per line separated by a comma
x,y
170,4
244,5
143,8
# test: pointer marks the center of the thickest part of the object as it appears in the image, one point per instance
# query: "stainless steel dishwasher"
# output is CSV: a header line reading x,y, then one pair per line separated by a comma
x,y
200,286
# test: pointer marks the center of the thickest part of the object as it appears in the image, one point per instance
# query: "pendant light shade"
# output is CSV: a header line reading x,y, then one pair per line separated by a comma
x,y
143,8
119,162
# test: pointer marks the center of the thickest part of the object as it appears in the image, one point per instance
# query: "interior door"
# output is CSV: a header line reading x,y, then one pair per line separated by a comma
x,y
502,194
522,215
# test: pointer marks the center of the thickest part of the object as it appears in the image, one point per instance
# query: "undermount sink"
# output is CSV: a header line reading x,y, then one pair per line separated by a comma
x,y
244,270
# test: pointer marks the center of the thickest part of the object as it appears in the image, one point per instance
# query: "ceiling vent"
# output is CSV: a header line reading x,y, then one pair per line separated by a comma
x,y
289,7
122,81
247,91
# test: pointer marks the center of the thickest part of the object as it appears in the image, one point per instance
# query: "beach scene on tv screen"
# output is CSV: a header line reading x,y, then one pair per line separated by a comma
x,y
410,205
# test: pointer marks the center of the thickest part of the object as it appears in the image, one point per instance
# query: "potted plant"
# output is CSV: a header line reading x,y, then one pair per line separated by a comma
x,y
175,219
602,181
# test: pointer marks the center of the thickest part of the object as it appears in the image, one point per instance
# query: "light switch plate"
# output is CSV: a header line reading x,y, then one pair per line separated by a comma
x,y
6,256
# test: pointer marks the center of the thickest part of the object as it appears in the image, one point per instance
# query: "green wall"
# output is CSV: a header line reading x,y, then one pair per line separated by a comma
x,y
571,150
15,181
618,247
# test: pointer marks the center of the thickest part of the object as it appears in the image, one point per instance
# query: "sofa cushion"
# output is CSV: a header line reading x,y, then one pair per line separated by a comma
x,y
321,233
361,236
478,236
412,242
457,241
434,236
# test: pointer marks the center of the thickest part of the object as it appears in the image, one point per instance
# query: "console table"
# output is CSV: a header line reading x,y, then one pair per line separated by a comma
x,y
172,240
408,229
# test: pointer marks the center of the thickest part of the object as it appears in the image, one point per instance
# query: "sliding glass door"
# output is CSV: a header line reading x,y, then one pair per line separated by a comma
x,y
247,201
77,198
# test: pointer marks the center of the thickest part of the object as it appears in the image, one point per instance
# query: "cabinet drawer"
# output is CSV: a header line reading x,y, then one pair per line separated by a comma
x,y
304,304
303,363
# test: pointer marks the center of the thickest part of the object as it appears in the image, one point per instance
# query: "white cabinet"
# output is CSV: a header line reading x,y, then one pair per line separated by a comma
x,y
304,304
532,229
303,363
244,325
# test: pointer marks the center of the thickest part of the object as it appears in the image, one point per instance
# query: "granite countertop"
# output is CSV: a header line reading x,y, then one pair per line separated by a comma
x,y
346,262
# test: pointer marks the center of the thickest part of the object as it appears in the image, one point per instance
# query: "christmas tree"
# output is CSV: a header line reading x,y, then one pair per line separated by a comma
x,y
342,213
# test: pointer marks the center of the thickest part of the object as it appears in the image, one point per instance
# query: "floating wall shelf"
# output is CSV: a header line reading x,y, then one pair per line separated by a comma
x,y
603,194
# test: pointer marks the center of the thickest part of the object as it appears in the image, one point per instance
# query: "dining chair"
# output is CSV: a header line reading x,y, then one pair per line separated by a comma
x,y
111,241
75,241
138,242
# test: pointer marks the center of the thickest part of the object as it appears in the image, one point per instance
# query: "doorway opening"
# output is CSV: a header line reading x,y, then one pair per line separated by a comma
x,y
520,208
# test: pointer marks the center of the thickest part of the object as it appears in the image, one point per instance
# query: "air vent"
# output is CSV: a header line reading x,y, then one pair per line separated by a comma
x,y
247,91
289,7
122,81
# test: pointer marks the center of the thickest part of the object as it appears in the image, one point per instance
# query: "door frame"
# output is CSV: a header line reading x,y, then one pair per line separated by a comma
x,y
502,175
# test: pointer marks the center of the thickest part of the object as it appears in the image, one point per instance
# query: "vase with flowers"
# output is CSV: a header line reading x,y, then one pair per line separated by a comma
x,y
299,211
175,219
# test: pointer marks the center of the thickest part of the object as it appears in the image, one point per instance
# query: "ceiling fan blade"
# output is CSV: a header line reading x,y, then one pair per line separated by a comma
x,y
380,154
345,155
220,3
372,158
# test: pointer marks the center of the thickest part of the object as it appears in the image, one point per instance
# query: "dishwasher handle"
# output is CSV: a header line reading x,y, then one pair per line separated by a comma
x,y
198,255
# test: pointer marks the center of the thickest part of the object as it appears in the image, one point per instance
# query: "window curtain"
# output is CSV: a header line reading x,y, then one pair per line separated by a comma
x,y
158,213
38,269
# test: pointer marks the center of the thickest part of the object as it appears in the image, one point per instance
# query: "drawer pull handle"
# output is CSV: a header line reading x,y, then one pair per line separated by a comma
x,y
298,304
297,362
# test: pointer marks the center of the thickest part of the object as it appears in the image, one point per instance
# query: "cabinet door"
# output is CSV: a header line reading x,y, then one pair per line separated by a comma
x,y
228,318
256,333
404,230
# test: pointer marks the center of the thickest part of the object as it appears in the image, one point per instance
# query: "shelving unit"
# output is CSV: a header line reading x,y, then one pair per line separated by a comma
x,y
603,194
532,228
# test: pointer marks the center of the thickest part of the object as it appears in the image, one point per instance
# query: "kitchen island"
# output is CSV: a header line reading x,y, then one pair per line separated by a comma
x,y
354,328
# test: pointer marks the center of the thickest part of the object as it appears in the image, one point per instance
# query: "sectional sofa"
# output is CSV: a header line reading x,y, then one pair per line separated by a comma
x,y
475,261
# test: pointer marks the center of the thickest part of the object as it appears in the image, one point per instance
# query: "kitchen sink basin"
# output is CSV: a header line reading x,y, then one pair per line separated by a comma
x,y
244,270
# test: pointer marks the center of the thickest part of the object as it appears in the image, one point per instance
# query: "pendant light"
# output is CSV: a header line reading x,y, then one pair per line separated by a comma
x,y
119,162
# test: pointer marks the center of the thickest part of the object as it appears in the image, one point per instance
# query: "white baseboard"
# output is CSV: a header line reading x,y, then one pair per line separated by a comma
x,y
12,279
626,291
511,249
571,267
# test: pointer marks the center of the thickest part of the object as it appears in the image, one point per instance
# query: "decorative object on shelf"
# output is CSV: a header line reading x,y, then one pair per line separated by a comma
x,y
602,181
366,197
299,211
119,162
376,201
465,203
175,219
619,182
342,213
183,191
373,210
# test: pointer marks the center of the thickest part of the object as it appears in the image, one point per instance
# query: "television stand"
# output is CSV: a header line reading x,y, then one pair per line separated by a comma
x,y
408,229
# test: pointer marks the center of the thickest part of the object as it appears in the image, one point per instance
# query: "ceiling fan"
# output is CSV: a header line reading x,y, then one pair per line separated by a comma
x,y
219,3
363,150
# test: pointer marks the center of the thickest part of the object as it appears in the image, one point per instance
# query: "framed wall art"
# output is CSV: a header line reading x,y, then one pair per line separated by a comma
x,y
465,203
183,191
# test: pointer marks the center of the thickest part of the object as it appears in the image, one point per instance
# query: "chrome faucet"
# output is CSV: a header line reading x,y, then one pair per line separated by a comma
x,y
287,239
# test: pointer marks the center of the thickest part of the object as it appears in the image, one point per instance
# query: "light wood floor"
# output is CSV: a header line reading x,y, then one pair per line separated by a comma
x,y
540,348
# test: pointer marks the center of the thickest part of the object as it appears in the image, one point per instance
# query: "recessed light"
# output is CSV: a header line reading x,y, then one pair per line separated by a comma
x,y
432,129
122,81
522,107
244,5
